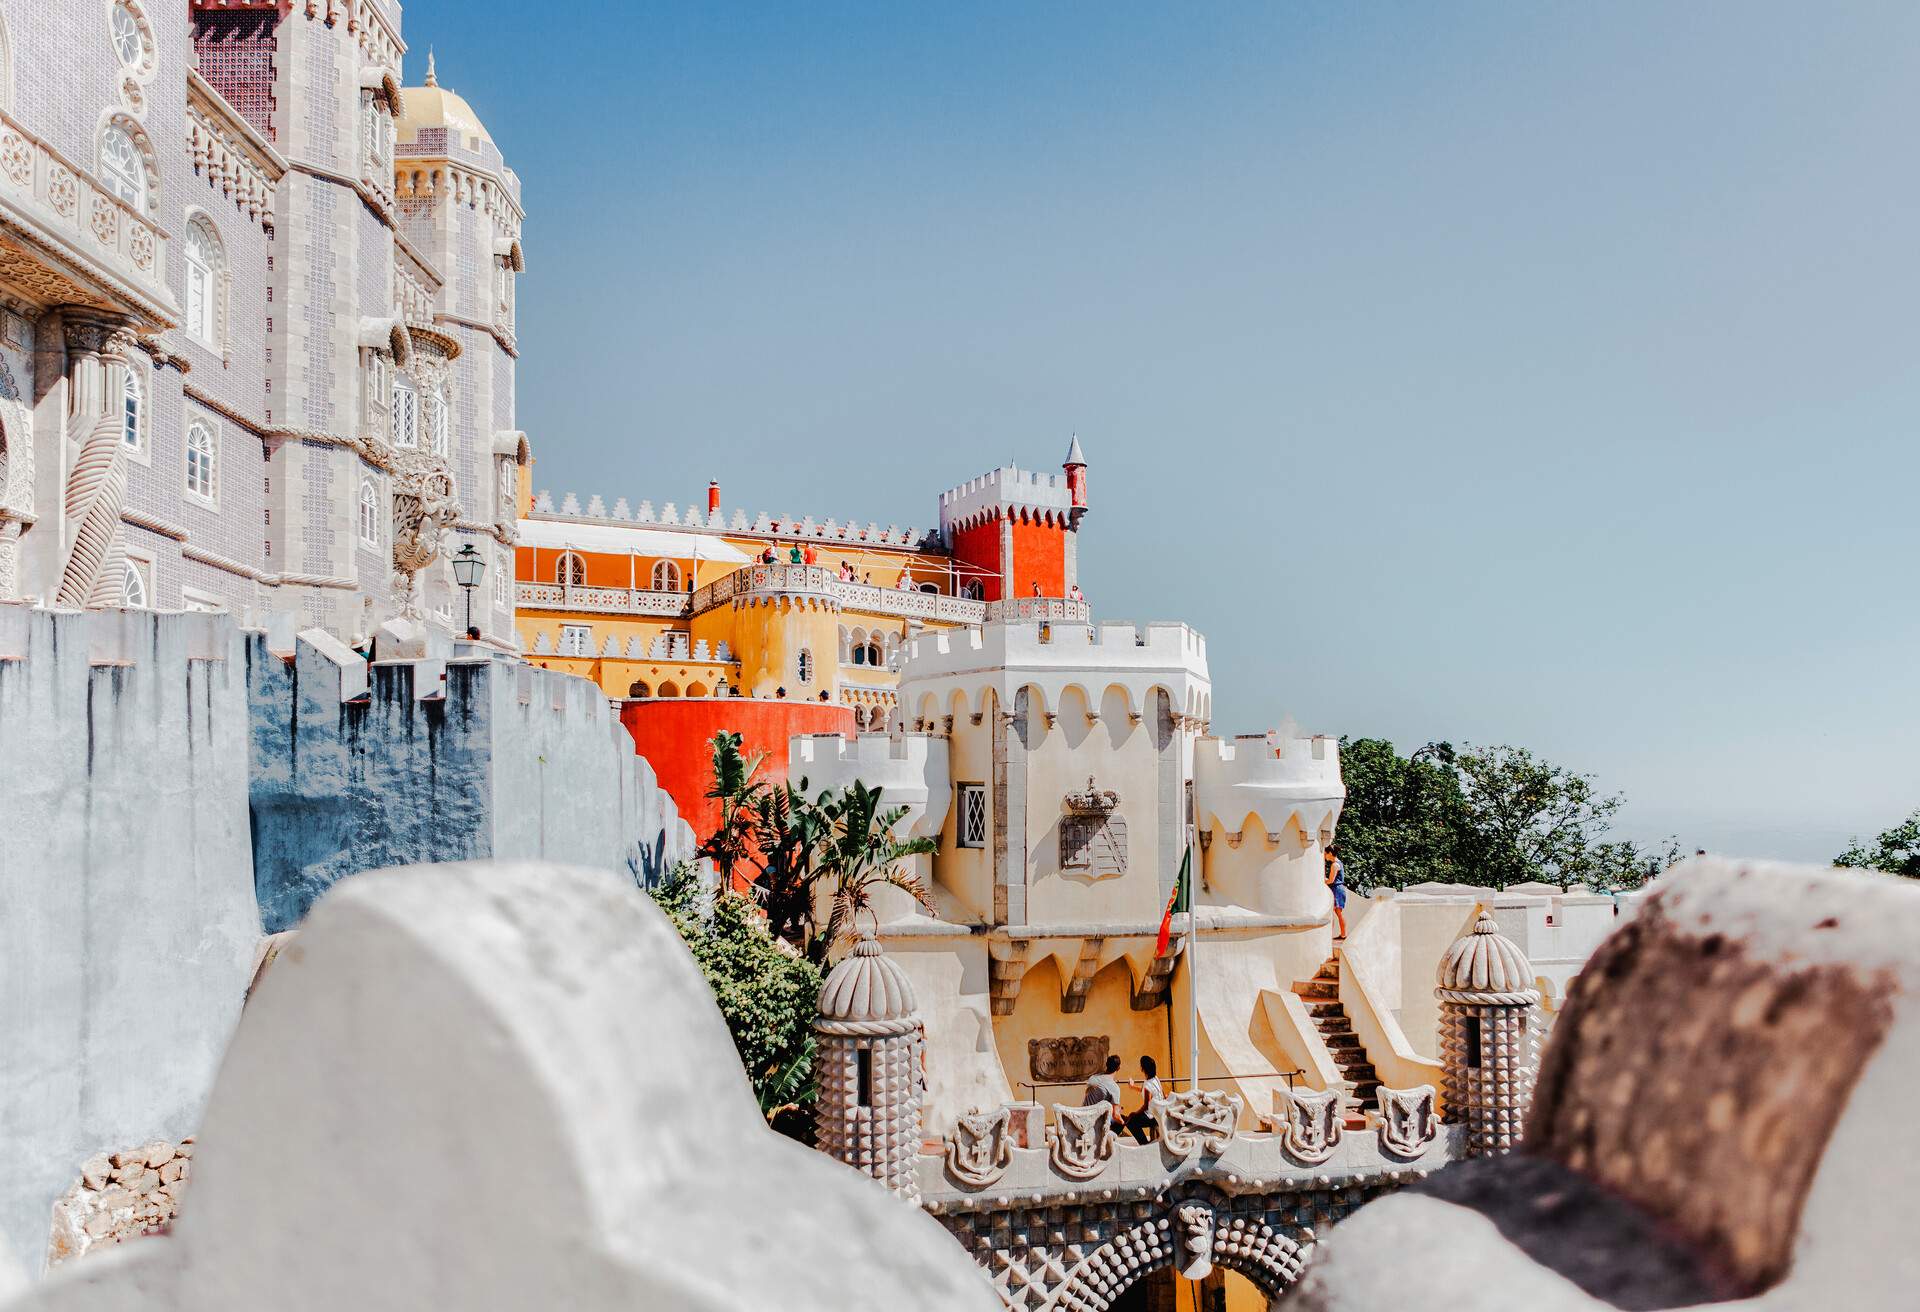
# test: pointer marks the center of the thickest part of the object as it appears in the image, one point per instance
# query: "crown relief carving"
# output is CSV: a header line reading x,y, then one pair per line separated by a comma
x,y
1093,800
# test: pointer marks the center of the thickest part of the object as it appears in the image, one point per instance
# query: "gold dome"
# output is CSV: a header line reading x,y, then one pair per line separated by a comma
x,y
433,106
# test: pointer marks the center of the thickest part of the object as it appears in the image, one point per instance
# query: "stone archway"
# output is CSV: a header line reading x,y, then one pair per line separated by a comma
x,y
1236,1241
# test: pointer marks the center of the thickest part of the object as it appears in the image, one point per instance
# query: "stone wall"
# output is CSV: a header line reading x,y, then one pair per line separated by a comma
x,y
357,766
127,916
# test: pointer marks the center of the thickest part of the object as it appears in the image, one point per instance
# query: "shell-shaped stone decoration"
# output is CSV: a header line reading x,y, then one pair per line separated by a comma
x,y
1485,961
867,985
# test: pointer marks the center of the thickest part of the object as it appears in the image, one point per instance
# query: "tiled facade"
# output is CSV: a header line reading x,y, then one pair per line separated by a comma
x,y
234,204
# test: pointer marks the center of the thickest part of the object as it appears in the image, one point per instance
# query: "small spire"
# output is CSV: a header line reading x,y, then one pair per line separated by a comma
x,y
432,80
1074,456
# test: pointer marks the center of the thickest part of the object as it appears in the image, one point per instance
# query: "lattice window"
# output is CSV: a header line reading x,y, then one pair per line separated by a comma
x,y
200,460
121,168
406,415
576,640
972,831
806,665
369,513
666,576
570,571
133,402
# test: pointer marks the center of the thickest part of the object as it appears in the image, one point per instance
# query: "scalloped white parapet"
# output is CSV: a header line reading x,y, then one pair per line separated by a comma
x,y
910,770
1004,487
1249,776
1054,656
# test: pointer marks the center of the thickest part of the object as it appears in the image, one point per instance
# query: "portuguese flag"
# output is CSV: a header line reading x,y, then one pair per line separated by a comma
x,y
1180,900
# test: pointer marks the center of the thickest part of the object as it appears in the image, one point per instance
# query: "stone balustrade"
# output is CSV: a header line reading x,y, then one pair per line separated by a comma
x,y
753,580
1039,608
57,202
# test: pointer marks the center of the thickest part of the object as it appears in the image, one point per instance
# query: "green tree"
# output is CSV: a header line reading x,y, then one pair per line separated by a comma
x,y
1896,850
1481,815
863,854
767,993
739,790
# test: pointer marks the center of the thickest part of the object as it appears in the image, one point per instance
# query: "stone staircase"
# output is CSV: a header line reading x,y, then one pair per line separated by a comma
x,y
1322,997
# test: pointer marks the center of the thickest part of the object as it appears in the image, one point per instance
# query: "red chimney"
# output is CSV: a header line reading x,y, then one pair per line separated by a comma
x,y
713,497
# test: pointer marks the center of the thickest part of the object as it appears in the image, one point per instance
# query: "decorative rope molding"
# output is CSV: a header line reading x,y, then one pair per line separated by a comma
x,y
368,197
508,342
140,519
220,562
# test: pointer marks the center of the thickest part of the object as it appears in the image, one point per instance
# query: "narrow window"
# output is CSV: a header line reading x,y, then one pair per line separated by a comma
x,y
437,422
121,168
133,586
863,1070
570,571
369,513
666,577
200,453
204,262
406,415
1470,1026
576,640
973,815
133,399
806,665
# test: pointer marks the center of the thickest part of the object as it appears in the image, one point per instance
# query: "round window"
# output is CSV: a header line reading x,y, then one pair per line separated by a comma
x,y
129,42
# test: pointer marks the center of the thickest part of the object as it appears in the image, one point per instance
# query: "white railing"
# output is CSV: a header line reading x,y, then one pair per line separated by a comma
x,y
50,193
1040,608
612,601
914,605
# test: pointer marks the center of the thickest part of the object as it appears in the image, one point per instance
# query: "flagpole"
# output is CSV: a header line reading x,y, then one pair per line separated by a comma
x,y
1193,942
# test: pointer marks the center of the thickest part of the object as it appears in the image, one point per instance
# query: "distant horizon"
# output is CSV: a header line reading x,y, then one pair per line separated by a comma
x,y
1510,375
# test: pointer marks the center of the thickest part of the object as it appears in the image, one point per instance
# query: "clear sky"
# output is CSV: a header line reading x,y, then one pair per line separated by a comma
x,y
1531,373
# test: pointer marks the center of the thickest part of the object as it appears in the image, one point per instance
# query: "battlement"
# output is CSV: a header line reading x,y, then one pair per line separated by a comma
x,y
1109,644
1004,489
1268,778
739,523
909,769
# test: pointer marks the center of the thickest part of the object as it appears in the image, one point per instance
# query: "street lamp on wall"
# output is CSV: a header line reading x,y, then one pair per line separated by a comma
x,y
469,567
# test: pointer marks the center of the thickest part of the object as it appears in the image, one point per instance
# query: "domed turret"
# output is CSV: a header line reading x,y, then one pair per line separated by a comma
x,y
433,106
867,1068
1488,1040
1484,960
868,985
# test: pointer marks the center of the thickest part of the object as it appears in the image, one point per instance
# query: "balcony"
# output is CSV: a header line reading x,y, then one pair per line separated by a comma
x,y
601,601
104,253
1039,608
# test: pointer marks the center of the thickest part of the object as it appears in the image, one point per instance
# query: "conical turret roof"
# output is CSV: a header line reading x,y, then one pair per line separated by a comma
x,y
1483,960
867,985
1074,455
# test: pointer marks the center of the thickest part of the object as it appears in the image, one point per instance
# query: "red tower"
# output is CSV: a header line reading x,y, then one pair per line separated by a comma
x,y
1015,534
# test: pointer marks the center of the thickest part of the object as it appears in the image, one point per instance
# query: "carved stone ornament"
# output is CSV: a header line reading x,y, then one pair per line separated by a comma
x,y
1092,838
1308,1123
1094,801
423,511
1406,1120
1197,1120
1080,1140
980,1147
1195,1255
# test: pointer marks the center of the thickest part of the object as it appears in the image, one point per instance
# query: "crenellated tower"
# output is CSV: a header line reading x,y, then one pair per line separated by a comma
x,y
1012,529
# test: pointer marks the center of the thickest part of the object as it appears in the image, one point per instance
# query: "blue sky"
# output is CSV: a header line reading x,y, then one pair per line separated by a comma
x,y
1537,373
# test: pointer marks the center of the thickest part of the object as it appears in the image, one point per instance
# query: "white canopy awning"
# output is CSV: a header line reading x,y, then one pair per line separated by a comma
x,y
617,539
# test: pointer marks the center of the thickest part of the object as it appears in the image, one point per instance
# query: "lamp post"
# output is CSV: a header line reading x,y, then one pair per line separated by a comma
x,y
469,566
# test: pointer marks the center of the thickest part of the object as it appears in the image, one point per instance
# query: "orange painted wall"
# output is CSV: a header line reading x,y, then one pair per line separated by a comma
x,y
977,551
673,736
1039,554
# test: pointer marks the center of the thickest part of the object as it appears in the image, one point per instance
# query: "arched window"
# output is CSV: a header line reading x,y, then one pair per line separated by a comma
x,y
639,689
122,169
133,587
205,266
930,588
666,577
129,42
570,571
200,457
133,402
406,414
973,591
437,422
806,665
369,513
506,508
873,652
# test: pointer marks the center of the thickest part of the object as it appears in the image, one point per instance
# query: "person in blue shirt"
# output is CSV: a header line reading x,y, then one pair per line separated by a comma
x,y
1337,881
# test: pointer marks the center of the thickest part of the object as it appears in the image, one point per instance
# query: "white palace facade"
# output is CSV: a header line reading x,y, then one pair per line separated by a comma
x,y
256,316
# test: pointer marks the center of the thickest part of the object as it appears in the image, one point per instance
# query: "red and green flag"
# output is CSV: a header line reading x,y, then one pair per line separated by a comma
x,y
1181,899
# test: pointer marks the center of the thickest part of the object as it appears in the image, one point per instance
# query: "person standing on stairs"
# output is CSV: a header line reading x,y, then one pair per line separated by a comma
x,y
1337,881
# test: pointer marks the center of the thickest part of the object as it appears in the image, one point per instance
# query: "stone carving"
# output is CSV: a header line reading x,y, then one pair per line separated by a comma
x,y
63,193
140,246
96,490
1081,1140
1406,1120
1195,1256
16,158
1197,1121
105,220
1067,1060
1092,837
1308,1123
423,511
980,1147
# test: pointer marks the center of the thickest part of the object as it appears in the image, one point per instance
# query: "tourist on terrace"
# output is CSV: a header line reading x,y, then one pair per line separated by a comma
x,y
794,554
1141,1122
1337,881
1073,593
1103,1088
906,581
846,571
807,557
767,557
1036,587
